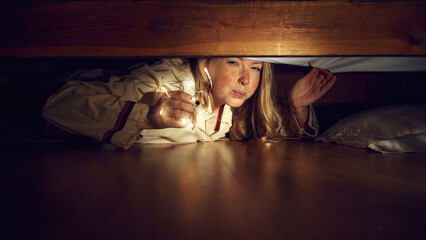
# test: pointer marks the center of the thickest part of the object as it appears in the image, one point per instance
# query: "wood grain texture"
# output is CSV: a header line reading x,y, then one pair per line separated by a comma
x,y
255,28
221,190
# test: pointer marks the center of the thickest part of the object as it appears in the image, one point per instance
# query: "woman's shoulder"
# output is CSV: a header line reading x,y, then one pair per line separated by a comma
x,y
162,65
180,68
169,69
175,64
179,62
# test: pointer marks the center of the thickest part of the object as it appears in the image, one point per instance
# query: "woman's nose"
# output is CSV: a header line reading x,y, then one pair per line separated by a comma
x,y
244,78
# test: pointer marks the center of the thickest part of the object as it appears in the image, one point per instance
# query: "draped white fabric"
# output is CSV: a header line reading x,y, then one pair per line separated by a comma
x,y
355,64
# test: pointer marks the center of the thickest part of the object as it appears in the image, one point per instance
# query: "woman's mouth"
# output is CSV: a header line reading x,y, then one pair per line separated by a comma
x,y
238,94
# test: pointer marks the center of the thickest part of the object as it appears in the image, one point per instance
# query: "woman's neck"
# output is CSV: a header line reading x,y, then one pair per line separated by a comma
x,y
216,107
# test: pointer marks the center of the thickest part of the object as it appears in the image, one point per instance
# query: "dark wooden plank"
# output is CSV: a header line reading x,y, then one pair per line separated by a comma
x,y
351,88
221,190
387,89
162,28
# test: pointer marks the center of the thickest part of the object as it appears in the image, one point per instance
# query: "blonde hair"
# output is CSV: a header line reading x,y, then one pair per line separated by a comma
x,y
257,118
201,81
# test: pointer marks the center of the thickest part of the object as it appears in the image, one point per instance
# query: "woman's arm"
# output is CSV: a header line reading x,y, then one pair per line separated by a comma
x,y
301,119
115,111
109,112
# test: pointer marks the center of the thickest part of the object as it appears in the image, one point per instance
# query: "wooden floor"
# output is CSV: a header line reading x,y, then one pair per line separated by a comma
x,y
222,190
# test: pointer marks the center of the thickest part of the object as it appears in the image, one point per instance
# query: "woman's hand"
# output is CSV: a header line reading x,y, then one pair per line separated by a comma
x,y
310,88
307,90
172,111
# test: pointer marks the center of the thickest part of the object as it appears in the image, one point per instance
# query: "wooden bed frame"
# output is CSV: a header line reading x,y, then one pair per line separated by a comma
x,y
191,28
293,189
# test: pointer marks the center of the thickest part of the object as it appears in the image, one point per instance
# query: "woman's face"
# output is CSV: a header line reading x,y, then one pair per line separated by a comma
x,y
234,80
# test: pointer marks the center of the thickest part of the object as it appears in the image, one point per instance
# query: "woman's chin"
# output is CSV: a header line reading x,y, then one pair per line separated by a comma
x,y
236,104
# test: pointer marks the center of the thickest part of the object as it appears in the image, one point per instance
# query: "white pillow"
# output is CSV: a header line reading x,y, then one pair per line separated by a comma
x,y
400,128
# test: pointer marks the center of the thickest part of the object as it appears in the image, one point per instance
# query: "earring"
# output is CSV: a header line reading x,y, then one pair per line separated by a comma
x,y
208,77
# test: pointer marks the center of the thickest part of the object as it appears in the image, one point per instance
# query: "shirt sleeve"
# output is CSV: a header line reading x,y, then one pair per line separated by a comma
x,y
289,127
111,111
310,128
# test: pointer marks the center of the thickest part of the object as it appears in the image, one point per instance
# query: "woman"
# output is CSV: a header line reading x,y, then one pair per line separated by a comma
x,y
178,100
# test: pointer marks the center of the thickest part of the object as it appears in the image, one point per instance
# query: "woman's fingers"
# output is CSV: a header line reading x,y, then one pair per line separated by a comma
x,y
176,114
328,84
325,80
180,105
319,76
174,110
328,75
312,75
175,123
178,109
314,72
181,96
323,77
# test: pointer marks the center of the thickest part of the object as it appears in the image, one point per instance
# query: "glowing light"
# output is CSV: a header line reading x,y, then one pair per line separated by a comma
x,y
165,91
268,145
161,110
189,85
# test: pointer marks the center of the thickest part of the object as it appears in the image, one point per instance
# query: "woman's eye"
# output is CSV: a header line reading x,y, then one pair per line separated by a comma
x,y
232,62
256,68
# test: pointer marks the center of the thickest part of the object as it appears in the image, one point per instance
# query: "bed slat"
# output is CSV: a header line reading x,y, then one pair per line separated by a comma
x,y
196,29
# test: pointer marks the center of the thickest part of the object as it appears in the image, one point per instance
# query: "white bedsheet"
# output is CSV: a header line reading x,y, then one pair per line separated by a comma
x,y
355,64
